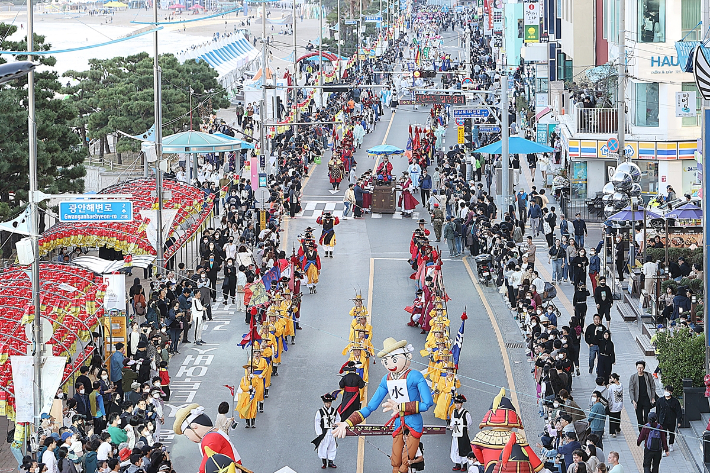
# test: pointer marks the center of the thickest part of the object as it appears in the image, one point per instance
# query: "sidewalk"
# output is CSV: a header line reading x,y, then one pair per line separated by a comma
x,y
627,353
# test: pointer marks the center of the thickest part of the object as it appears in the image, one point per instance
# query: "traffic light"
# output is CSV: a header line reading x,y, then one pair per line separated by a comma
x,y
468,133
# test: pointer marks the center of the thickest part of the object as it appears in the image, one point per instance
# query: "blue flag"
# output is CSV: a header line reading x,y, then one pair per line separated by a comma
x,y
458,343
274,274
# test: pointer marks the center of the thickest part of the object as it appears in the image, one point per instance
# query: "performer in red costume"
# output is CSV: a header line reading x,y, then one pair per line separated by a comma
x,y
192,422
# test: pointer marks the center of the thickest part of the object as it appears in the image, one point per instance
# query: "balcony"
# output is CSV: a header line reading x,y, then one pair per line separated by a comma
x,y
591,121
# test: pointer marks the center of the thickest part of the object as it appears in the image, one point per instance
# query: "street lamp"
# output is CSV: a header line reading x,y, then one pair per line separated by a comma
x,y
14,70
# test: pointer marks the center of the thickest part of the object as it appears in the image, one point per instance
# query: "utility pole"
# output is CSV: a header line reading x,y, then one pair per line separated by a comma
x,y
340,37
34,224
157,95
262,109
505,156
705,189
294,91
621,114
320,49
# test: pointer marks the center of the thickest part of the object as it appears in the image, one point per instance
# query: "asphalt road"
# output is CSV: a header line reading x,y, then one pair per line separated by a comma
x,y
368,249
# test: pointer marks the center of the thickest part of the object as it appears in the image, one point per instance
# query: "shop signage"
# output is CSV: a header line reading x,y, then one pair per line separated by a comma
x,y
531,17
685,104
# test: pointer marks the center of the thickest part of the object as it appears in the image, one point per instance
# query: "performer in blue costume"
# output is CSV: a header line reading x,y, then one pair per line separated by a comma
x,y
409,395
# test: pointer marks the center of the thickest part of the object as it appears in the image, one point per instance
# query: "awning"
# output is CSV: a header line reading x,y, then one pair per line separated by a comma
x,y
71,301
184,213
227,56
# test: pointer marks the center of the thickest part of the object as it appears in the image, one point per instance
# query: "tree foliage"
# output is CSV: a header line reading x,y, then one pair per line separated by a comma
x,y
681,354
117,94
59,153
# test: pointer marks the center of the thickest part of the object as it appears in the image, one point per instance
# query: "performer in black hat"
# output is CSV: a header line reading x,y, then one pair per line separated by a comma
x,y
326,418
327,237
460,443
351,384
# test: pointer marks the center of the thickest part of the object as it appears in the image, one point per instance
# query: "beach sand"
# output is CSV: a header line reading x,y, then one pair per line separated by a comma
x,y
79,30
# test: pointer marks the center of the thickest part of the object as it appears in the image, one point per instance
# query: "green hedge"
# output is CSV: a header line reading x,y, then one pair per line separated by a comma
x,y
691,256
681,354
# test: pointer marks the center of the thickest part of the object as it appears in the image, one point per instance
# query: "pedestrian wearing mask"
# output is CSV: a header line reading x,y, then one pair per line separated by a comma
x,y
579,300
607,356
604,299
654,443
616,404
670,415
642,391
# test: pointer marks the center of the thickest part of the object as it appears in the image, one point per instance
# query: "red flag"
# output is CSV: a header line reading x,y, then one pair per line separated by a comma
x,y
231,389
253,334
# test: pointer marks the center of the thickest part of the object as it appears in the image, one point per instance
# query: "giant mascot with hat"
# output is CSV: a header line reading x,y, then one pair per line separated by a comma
x,y
192,422
409,395
500,444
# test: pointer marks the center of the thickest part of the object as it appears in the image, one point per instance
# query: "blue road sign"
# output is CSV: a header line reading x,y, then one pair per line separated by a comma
x,y
96,211
350,22
372,19
489,129
471,112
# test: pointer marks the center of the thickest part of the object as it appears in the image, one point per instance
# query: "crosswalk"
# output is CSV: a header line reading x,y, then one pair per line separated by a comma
x,y
312,209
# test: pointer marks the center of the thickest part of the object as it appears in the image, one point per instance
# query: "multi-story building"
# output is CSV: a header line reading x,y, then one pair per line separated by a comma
x,y
660,142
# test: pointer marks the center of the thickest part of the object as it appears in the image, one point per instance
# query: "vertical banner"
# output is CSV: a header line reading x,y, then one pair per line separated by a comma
x,y
23,377
115,297
254,167
531,18
461,136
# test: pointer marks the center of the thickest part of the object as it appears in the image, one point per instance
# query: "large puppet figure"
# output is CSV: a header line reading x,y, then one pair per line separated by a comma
x,y
192,422
409,395
488,444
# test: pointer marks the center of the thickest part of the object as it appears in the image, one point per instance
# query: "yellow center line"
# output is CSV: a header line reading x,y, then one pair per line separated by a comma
x,y
384,140
499,336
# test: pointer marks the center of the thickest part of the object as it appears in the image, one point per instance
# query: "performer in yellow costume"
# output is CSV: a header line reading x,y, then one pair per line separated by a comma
x,y
246,396
360,323
267,352
358,308
444,392
287,310
260,367
276,329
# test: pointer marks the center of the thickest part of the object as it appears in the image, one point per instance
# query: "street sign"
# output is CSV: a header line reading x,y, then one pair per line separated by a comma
x,y
372,19
96,211
440,99
471,112
460,121
612,145
466,81
461,136
350,22
489,129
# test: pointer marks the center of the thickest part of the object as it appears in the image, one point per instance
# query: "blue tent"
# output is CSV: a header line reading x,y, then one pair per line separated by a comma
x,y
516,145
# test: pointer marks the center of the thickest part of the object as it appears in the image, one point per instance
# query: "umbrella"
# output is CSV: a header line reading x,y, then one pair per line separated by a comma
x,y
516,145
196,6
176,6
385,150
637,215
686,211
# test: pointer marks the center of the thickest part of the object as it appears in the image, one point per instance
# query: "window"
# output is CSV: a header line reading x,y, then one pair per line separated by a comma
x,y
692,121
652,21
646,104
690,17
